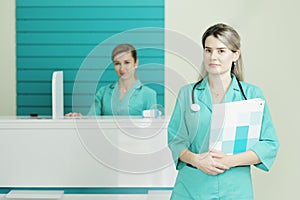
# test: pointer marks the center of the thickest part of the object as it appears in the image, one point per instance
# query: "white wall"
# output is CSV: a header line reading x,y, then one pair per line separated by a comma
x,y
7,58
270,45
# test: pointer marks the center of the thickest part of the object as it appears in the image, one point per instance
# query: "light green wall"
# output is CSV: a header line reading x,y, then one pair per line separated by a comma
x,y
7,58
270,40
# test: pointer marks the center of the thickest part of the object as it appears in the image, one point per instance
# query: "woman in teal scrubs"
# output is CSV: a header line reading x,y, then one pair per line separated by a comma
x,y
204,173
127,96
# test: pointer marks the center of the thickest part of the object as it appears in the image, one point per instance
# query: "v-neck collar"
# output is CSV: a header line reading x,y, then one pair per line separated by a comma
x,y
205,93
116,90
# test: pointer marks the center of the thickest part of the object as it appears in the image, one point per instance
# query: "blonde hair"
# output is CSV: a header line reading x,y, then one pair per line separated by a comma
x,y
231,39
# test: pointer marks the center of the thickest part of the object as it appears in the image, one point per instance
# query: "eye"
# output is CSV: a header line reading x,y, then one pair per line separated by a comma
x,y
207,50
221,51
116,63
127,62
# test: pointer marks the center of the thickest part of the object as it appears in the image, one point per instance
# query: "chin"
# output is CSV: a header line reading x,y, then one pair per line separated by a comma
x,y
213,71
125,77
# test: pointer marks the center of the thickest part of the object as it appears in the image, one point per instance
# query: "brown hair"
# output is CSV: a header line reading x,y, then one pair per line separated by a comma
x,y
121,48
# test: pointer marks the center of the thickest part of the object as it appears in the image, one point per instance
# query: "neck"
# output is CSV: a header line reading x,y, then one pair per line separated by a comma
x,y
219,83
126,84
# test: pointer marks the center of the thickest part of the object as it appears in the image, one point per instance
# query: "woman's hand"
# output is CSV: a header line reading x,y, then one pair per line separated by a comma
x,y
73,114
222,158
209,162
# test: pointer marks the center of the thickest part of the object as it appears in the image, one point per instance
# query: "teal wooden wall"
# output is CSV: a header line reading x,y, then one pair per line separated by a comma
x,y
77,36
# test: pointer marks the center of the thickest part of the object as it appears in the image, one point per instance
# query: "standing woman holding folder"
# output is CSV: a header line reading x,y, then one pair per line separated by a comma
x,y
205,173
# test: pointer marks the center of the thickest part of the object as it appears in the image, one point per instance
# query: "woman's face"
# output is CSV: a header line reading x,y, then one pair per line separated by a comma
x,y
125,65
217,57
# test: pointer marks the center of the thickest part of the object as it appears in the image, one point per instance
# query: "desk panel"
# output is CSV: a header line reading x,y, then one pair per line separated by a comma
x,y
100,152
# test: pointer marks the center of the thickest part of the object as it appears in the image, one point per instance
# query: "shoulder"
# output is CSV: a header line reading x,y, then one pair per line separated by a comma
x,y
187,88
251,90
185,91
142,88
105,88
147,90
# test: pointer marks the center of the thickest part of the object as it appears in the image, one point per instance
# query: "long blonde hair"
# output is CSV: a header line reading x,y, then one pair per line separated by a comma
x,y
231,39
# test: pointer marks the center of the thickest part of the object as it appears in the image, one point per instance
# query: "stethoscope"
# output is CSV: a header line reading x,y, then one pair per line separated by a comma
x,y
196,107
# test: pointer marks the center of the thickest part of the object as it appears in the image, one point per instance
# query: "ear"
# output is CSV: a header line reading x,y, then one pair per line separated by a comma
x,y
136,64
237,55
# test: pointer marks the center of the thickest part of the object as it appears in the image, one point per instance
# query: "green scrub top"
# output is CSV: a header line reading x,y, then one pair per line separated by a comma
x,y
138,98
190,130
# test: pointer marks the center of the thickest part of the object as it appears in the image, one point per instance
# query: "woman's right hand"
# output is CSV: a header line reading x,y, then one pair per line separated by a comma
x,y
208,164
73,114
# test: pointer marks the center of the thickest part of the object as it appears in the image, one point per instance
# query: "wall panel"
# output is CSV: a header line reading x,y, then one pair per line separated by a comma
x,y
65,34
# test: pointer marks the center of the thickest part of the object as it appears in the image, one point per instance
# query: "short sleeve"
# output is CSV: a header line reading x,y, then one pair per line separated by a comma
x,y
96,107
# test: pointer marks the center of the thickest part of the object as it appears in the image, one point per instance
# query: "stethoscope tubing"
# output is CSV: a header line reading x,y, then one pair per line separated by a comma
x,y
196,107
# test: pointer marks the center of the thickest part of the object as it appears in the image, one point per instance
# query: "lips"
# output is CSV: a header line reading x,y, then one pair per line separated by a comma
x,y
214,65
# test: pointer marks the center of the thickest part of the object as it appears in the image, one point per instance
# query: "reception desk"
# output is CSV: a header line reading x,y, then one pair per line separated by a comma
x,y
104,153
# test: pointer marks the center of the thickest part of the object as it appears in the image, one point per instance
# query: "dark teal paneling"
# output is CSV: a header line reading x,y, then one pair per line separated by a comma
x,y
73,51
91,38
93,13
44,88
64,63
63,34
81,3
84,25
70,75
40,108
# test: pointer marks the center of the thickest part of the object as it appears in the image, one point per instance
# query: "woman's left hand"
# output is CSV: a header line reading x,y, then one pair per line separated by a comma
x,y
221,157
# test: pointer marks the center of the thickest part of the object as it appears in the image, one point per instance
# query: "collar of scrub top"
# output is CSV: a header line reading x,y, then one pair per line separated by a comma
x,y
136,85
204,92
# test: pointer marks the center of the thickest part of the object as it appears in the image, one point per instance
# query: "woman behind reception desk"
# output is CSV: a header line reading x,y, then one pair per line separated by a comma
x,y
127,96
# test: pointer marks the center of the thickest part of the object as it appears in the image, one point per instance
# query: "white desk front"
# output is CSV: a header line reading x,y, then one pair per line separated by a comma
x,y
99,152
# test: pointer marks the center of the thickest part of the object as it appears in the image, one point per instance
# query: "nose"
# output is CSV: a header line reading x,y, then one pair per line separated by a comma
x,y
213,55
121,67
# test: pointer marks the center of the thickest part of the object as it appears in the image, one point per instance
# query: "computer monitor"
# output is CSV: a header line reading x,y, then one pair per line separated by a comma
x,y
57,95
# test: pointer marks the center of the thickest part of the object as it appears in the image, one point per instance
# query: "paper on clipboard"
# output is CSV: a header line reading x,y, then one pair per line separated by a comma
x,y
235,126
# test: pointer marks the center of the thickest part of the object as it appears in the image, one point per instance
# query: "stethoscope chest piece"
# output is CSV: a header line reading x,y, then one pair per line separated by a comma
x,y
195,107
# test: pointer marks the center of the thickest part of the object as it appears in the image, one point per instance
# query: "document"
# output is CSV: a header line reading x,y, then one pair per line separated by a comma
x,y
235,126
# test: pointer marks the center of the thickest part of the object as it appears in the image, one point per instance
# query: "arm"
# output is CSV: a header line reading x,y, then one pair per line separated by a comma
x,y
180,139
246,158
267,147
96,107
150,99
205,162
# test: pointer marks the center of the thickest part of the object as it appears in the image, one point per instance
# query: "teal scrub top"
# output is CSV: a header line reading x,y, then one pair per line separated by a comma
x,y
138,98
190,130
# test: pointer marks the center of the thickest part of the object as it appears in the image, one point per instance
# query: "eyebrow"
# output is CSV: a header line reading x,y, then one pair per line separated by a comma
x,y
116,61
217,48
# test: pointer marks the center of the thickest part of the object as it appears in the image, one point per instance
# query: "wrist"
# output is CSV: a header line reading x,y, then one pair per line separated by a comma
x,y
188,157
192,159
231,161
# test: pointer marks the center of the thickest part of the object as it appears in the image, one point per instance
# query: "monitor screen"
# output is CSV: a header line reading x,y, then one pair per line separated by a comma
x,y
57,95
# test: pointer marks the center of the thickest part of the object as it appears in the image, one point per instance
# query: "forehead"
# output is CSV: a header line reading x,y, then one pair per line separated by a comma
x,y
123,56
213,42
